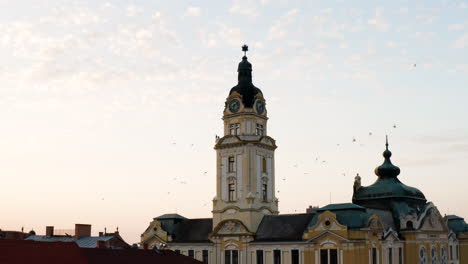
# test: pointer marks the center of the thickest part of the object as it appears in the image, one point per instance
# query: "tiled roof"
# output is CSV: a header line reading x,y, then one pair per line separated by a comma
x,y
288,227
192,230
23,251
84,242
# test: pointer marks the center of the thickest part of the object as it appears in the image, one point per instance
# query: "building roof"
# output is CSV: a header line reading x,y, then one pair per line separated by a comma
x,y
287,227
22,251
457,224
388,190
83,242
169,216
192,230
245,87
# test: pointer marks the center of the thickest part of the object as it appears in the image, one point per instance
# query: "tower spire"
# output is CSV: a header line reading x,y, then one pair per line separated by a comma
x,y
245,48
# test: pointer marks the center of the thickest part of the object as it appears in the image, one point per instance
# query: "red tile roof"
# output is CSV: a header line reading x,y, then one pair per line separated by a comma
x,y
22,252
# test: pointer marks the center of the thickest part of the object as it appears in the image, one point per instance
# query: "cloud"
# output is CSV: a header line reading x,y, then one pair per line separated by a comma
x,y
461,42
378,22
134,10
456,27
193,11
231,35
279,28
246,8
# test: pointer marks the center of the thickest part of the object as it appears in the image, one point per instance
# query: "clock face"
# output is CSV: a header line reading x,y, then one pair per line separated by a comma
x,y
259,106
234,106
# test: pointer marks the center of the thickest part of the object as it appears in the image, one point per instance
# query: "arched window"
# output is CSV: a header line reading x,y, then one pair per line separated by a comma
x,y
409,225
264,190
443,255
232,189
422,255
433,255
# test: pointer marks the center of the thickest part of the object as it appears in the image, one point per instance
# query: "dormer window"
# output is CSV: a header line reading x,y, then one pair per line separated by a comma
x,y
259,130
234,129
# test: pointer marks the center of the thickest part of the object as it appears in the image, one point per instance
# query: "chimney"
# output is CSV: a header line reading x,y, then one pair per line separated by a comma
x,y
101,244
101,234
82,230
49,231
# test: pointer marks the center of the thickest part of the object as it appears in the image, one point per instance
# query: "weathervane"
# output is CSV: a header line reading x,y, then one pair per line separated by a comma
x,y
245,48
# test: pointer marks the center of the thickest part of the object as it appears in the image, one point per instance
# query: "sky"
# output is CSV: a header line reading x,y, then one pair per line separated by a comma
x,y
109,109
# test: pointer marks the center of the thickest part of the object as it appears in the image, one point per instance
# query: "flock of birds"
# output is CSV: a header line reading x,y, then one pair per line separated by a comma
x,y
317,160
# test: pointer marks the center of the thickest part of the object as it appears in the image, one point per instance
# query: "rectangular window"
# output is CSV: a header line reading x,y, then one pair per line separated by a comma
x,y
451,252
177,251
264,165
276,256
264,192
231,164
390,256
294,256
259,256
259,130
323,256
232,191
227,257
456,252
374,256
234,129
400,256
333,256
191,253
205,256
231,257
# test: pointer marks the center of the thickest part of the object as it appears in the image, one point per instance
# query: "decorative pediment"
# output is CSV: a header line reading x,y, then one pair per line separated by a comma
x,y
432,220
326,223
155,234
231,227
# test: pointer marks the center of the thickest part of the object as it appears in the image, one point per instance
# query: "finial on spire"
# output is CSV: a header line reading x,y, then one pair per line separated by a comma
x,y
386,142
245,48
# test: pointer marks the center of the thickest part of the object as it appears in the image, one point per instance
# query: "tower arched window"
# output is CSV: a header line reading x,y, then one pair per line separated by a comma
x,y
259,131
232,189
264,165
265,190
231,164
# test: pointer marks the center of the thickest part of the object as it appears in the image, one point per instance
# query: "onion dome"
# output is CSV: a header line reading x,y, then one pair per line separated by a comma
x,y
387,169
245,86
388,190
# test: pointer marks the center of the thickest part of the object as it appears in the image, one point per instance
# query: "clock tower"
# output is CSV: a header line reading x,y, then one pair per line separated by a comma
x,y
245,175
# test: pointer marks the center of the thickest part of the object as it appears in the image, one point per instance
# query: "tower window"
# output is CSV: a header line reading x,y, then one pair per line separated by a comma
x,y
264,165
231,164
232,190
374,256
259,130
400,256
205,256
264,191
234,129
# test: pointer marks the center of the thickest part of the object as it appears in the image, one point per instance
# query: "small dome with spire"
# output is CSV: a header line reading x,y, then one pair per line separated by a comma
x,y
245,86
388,189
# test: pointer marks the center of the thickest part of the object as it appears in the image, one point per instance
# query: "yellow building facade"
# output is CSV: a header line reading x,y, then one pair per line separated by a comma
x,y
386,223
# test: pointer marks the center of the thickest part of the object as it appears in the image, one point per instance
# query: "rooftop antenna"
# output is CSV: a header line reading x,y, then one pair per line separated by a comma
x,y
245,48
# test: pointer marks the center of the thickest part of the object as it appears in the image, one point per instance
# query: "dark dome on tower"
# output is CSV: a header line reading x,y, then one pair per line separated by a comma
x,y
245,86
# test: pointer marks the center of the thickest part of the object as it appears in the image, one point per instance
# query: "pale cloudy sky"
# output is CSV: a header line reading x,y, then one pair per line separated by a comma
x,y
109,109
